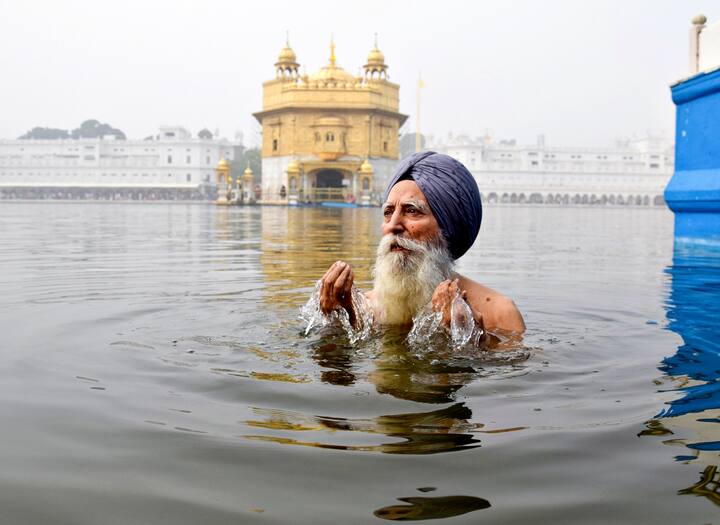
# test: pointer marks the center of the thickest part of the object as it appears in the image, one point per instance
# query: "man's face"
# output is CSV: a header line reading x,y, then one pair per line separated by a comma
x,y
407,214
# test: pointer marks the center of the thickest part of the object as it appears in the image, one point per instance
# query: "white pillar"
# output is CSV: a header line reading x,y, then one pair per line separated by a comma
x,y
697,27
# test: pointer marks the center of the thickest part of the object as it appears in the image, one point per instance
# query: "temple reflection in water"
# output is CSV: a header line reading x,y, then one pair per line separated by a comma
x,y
299,245
393,371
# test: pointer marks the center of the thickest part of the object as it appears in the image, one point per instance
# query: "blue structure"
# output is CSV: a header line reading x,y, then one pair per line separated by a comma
x,y
693,312
693,193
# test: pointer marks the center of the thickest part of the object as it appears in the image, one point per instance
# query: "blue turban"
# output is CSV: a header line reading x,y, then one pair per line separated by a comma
x,y
451,192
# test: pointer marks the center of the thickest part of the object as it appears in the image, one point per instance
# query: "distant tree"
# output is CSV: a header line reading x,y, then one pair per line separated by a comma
x,y
92,129
244,158
38,133
407,144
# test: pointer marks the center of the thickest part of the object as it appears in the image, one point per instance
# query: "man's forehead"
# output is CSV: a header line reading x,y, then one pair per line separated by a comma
x,y
406,192
408,201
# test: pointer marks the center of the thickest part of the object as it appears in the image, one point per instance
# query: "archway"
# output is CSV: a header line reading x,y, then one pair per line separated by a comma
x,y
328,179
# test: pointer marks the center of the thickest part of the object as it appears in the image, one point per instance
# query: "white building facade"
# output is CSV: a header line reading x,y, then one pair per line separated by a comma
x,y
171,165
630,172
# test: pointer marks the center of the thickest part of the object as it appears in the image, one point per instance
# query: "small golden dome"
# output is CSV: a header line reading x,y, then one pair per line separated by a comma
x,y
293,167
287,55
376,57
223,164
366,168
248,171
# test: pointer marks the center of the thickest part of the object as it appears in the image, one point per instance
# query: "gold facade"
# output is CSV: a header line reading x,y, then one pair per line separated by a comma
x,y
327,131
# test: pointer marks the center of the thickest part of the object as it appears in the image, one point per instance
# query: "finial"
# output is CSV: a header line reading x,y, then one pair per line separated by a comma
x,y
287,38
699,20
332,50
376,46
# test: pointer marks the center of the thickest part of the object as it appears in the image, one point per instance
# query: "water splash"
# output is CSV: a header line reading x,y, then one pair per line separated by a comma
x,y
316,319
426,325
462,322
462,332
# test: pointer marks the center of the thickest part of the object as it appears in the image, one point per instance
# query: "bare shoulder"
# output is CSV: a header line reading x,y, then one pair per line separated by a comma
x,y
498,310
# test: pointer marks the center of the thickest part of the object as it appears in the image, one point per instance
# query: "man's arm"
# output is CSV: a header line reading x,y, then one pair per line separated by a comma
x,y
498,311
491,310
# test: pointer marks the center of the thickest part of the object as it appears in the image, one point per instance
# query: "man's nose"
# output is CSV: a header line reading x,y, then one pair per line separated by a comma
x,y
395,224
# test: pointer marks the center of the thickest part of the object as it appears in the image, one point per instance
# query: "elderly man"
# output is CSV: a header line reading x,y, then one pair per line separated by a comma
x,y
432,214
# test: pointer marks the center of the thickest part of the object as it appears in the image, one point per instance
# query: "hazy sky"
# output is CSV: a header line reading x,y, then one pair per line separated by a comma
x,y
582,72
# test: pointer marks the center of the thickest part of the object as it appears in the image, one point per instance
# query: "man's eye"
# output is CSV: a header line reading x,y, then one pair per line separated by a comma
x,y
412,211
387,213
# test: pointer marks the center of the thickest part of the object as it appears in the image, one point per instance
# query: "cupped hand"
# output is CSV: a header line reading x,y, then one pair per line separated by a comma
x,y
442,301
443,297
336,289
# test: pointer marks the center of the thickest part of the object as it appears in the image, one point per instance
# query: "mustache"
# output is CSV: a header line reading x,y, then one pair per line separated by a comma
x,y
391,240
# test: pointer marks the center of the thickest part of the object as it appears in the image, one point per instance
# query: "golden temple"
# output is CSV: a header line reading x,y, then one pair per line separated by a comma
x,y
329,136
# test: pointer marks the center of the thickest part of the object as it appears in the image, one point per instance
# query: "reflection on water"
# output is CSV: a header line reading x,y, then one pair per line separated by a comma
x,y
693,418
298,245
154,370
431,508
387,364
444,430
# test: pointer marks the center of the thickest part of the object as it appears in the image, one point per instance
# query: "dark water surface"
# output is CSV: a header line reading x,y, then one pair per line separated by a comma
x,y
153,371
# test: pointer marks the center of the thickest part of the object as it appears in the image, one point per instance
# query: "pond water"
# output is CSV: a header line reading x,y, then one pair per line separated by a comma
x,y
154,370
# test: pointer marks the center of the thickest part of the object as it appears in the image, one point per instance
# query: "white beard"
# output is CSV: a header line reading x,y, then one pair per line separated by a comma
x,y
405,282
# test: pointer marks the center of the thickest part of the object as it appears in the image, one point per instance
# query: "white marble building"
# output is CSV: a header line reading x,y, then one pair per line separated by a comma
x,y
630,172
170,165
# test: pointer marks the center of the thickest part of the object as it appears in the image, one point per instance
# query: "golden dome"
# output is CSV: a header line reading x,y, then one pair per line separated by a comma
x,y
332,72
287,55
248,173
366,168
223,164
293,167
376,57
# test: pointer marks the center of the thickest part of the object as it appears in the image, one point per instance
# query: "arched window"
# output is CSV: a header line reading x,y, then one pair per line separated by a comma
x,y
329,137
366,184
